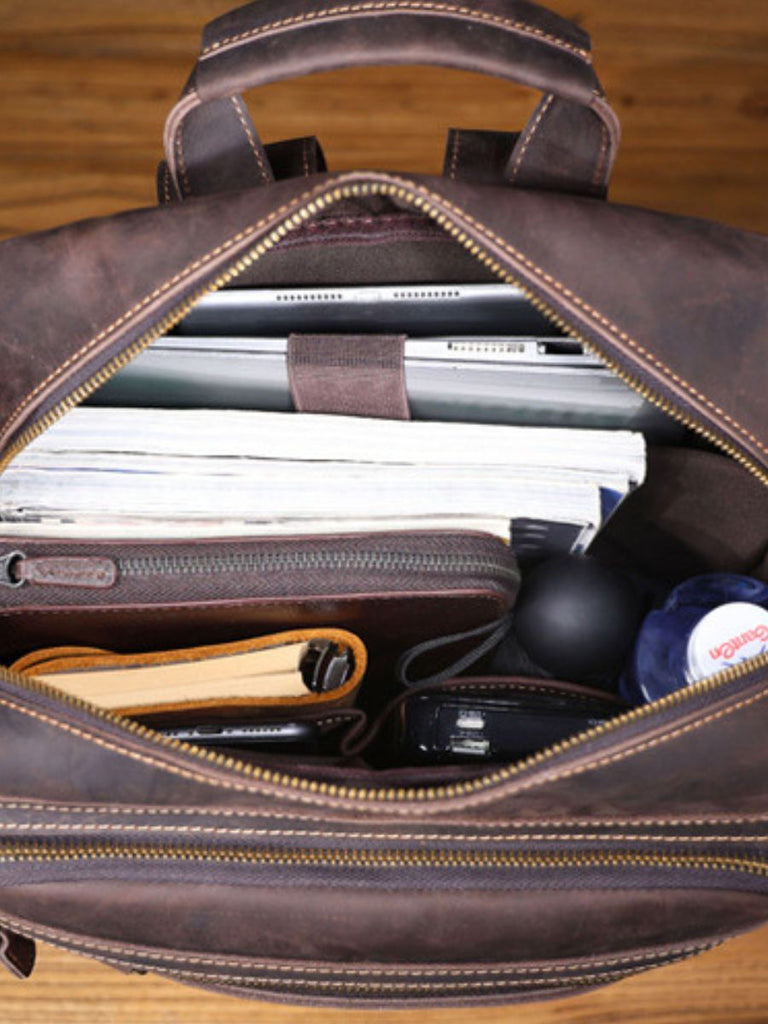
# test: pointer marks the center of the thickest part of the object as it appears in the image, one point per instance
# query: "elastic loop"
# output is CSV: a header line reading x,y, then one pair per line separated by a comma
x,y
494,632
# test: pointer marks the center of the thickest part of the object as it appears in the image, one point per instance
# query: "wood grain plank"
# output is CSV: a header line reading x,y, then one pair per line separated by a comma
x,y
726,986
86,87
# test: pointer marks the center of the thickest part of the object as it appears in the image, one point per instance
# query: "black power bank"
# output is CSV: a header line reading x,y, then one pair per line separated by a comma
x,y
445,728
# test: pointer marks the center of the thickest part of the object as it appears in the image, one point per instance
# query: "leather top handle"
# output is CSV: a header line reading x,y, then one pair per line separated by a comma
x,y
570,143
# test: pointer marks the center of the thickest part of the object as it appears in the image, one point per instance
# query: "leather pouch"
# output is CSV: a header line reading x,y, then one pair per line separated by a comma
x,y
393,590
637,843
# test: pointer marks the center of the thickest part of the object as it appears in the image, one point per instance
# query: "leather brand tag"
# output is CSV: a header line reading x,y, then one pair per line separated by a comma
x,y
99,573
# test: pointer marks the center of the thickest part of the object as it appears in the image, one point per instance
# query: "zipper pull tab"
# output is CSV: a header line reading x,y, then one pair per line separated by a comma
x,y
8,575
61,571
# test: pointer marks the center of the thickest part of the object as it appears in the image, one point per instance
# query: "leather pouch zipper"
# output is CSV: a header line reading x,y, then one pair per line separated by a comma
x,y
173,572
516,867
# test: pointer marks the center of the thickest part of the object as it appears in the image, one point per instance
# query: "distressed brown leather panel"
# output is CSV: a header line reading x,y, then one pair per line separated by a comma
x,y
410,927
480,157
683,299
92,763
67,292
715,761
596,263
660,770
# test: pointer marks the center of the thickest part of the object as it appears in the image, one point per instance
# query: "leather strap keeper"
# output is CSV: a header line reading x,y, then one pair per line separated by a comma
x,y
348,375
479,157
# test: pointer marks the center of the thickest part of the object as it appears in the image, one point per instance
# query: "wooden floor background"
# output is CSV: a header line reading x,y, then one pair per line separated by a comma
x,y
84,89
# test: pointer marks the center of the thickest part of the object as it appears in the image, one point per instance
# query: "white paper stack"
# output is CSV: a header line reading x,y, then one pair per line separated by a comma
x,y
116,472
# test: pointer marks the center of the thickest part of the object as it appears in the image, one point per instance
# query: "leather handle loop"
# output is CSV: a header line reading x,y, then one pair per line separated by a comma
x,y
571,140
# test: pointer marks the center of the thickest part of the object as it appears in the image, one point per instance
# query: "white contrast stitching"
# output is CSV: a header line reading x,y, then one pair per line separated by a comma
x,y
166,184
230,812
218,830
534,127
455,154
209,257
57,937
248,981
182,161
395,6
476,799
243,119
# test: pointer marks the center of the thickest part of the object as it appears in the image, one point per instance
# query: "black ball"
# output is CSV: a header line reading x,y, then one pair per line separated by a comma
x,y
577,619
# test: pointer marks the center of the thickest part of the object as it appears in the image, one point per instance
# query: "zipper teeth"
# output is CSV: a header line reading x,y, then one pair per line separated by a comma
x,y
295,220
375,859
390,794
369,795
195,565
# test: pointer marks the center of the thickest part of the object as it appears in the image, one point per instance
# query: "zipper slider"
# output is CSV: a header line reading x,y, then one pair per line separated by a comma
x,y
91,572
8,564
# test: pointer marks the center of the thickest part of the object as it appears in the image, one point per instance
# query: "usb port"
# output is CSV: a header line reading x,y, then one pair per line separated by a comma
x,y
474,720
466,745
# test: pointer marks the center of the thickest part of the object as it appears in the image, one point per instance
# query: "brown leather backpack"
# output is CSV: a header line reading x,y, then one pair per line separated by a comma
x,y
636,844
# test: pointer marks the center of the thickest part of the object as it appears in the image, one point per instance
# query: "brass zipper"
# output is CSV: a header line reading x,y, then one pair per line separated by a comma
x,y
171,319
295,220
395,858
369,795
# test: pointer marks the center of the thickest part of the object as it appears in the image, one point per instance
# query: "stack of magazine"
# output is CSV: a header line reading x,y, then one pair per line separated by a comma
x,y
516,430
121,472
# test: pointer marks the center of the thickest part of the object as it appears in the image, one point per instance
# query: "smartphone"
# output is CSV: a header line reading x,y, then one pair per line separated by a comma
x,y
283,735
